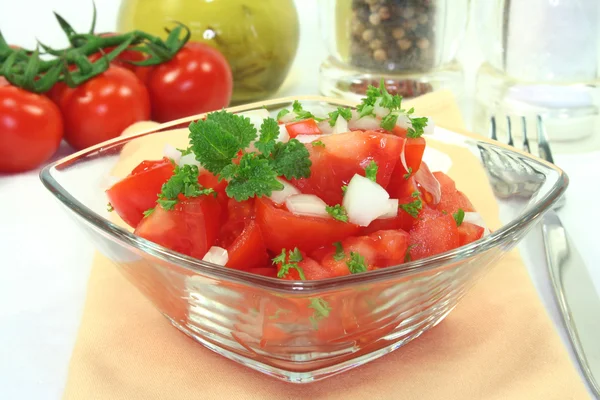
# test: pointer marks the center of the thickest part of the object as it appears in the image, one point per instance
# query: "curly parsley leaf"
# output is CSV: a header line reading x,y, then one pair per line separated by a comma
x,y
389,121
339,252
148,212
344,188
322,310
109,207
269,131
217,139
254,176
345,113
417,129
337,212
302,113
318,143
283,112
291,159
459,216
414,206
409,173
293,258
185,152
356,264
371,171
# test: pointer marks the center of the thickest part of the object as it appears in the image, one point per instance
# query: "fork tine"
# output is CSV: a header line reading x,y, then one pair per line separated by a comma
x,y
493,135
509,128
525,139
544,146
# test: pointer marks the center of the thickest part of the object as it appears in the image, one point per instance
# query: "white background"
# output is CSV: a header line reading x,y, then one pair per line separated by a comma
x,y
46,260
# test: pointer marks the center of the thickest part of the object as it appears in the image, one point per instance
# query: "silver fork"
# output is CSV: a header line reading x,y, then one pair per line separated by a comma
x,y
574,290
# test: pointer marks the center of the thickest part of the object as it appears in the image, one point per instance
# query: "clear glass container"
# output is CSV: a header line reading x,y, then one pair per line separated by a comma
x,y
411,44
269,324
548,65
259,38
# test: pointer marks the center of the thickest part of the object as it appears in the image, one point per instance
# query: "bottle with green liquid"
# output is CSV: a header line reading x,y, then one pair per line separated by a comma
x,y
259,38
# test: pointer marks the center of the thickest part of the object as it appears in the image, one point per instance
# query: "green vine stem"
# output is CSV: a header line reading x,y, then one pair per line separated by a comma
x,y
26,69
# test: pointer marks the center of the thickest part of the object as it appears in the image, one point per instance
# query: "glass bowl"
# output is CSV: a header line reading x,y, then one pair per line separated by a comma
x,y
297,331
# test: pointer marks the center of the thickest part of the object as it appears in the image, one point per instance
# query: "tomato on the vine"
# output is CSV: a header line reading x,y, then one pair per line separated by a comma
x,y
31,129
198,79
101,108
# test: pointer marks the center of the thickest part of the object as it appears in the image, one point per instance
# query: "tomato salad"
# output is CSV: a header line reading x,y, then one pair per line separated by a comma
x,y
300,197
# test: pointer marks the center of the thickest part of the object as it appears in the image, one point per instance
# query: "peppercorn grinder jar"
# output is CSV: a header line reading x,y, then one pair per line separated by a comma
x,y
411,44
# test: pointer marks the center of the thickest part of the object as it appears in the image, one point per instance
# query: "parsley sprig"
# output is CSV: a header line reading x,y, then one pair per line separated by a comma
x,y
322,310
219,139
337,212
414,206
184,181
345,113
356,264
339,251
289,262
371,171
393,103
459,216
300,113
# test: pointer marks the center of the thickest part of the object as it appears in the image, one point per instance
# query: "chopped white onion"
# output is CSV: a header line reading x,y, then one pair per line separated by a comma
x,y
403,121
279,196
284,136
380,111
427,180
403,156
365,201
324,127
306,204
189,159
341,125
216,255
172,153
308,138
476,219
392,209
366,123
289,117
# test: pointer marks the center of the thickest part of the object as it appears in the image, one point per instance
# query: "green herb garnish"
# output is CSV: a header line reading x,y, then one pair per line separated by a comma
x,y
414,206
371,171
322,310
408,174
293,258
318,143
302,113
459,216
283,112
337,212
356,263
339,252
109,207
345,113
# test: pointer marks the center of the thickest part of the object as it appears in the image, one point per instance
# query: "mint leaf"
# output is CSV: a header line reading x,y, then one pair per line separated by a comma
x,y
291,159
254,176
269,131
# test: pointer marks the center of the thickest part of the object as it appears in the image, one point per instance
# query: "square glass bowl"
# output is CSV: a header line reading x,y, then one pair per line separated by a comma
x,y
299,331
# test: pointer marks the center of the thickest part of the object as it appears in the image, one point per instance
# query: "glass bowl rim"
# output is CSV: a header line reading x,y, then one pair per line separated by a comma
x,y
195,265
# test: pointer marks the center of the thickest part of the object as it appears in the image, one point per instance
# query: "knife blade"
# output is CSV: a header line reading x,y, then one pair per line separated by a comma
x,y
576,296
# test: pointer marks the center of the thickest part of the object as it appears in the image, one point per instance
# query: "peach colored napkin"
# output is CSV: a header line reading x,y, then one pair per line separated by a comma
x,y
497,344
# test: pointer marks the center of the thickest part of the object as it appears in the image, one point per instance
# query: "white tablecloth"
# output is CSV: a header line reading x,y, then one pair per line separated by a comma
x,y
46,260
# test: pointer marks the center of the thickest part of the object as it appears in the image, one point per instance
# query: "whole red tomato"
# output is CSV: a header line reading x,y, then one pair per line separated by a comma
x,y
198,79
101,108
31,129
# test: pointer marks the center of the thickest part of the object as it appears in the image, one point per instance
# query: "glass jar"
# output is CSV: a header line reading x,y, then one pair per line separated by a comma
x,y
548,65
259,38
411,44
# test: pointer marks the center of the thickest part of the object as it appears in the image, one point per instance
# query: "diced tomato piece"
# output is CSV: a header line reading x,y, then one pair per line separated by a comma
x,y
402,221
138,191
190,227
265,271
282,229
433,233
399,131
248,249
208,180
304,127
380,249
236,214
312,271
413,155
402,188
451,199
343,156
468,232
